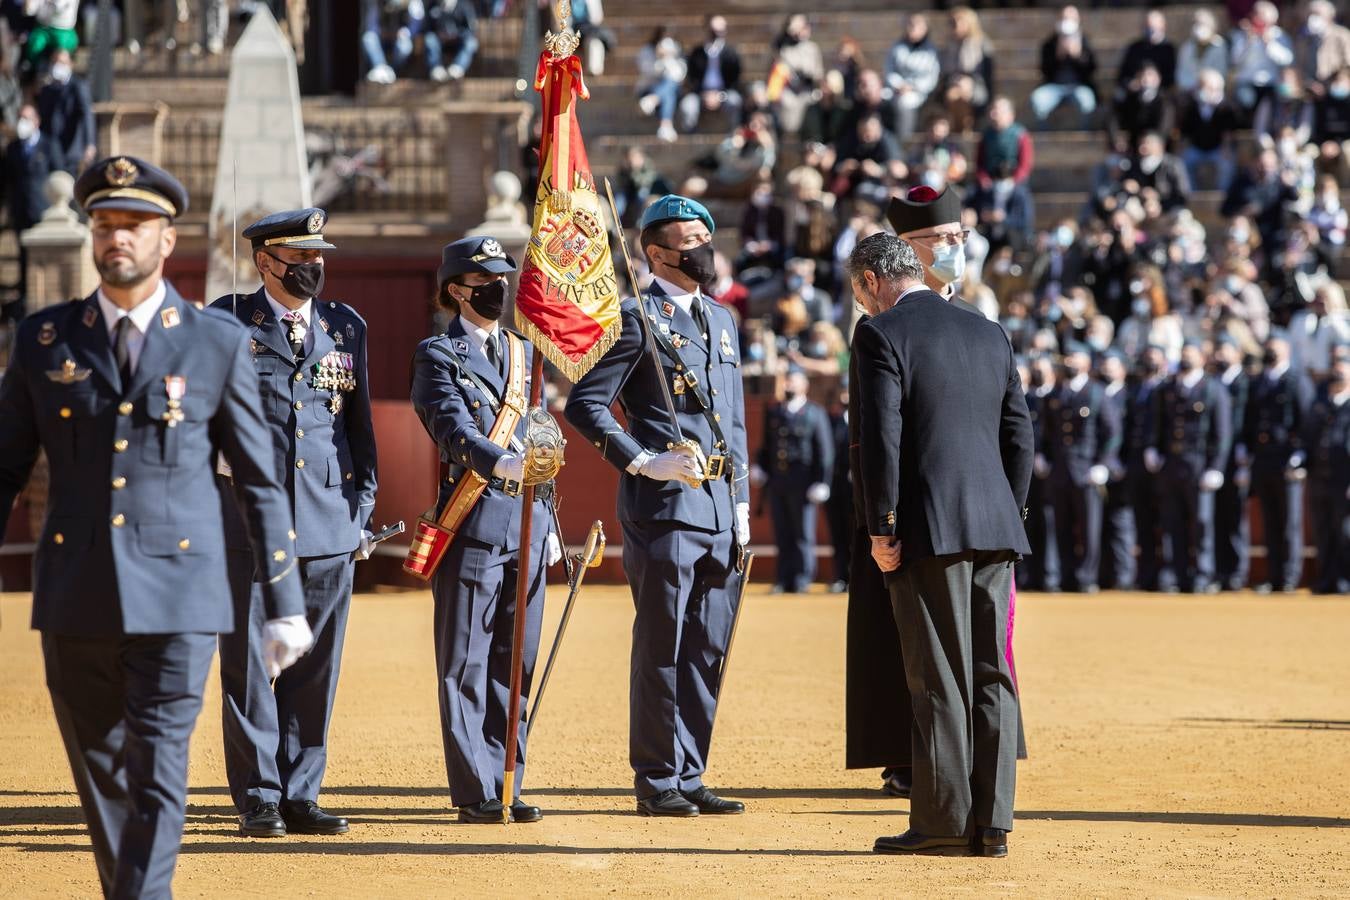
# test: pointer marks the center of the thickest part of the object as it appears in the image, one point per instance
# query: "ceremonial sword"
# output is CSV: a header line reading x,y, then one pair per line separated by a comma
x,y
588,558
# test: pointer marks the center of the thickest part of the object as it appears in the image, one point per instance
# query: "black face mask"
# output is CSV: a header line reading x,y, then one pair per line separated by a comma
x,y
302,279
488,300
697,263
1186,365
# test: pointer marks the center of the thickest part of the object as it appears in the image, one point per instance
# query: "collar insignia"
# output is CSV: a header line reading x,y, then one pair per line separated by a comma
x,y
169,318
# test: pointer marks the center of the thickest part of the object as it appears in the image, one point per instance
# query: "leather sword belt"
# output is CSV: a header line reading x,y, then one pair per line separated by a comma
x,y
717,462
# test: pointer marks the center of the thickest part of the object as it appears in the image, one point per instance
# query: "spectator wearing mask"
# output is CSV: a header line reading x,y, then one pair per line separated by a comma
x,y
67,114
809,217
1152,49
869,155
1261,50
1205,49
912,72
637,183
1151,322
1331,127
743,157
661,70
1005,145
1208,121
1322,47
1068,70
30,157
53,28
762,231
939,159
1265,194
727,290
713,80
1143,104
967,66
826,120
1059,265
1287,106
1154,169
869,99
452,31
797,69
1316,330
1243,296
848,61
1329,216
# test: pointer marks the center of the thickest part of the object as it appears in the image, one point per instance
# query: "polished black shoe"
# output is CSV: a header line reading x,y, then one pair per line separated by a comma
x,y
897,783
991,842
713,805
488,812
667,803
305,817
523,812
912,842
262,821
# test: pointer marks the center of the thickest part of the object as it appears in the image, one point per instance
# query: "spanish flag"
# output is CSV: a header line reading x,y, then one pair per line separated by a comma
x,y
568,301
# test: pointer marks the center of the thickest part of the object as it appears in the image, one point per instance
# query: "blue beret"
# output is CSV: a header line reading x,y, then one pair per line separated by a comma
x,y
126,182
674,208
474,254
301,229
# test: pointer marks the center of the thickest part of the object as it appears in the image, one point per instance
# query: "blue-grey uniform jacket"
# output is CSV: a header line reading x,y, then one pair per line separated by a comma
x,y
459,417
134,542
627,373
318,414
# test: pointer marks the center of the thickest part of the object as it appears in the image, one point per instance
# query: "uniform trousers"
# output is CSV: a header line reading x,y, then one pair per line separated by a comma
x,y
126,707
276,733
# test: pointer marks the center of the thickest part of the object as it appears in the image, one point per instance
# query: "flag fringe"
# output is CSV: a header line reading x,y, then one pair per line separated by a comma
x,y
572,369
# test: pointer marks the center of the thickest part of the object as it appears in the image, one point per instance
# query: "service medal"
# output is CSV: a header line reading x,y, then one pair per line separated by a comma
x,y
175,388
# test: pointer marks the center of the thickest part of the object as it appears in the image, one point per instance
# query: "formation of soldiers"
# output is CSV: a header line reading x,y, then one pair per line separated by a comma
x,y
1168,462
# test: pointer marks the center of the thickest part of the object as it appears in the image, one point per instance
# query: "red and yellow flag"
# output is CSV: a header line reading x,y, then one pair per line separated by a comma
x,y
568,301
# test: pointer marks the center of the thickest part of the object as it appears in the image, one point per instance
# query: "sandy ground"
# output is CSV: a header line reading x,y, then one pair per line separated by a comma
x,y
1179,747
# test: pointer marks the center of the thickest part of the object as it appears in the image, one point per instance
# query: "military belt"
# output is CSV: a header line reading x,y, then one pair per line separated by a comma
x,y
717,467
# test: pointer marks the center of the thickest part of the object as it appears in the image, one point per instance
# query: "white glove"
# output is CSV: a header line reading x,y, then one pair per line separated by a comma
x,y
510,468
1242,477
743,524
1296,461
673,466
1040,466
818,492
758,476
366,547
1153,461
1292,474
553,550
1099,475
284,641
1212,480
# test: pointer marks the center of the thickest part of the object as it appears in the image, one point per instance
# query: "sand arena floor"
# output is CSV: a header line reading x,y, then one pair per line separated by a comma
x,y
1179,747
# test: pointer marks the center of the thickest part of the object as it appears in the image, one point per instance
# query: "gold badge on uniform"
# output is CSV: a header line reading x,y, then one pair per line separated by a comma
x,y
258,317
335,404
169,317
725,343
90,317
121,172
175,388
678,386
253,346
667,309
69,373
315,223
46,334
335,372
351,331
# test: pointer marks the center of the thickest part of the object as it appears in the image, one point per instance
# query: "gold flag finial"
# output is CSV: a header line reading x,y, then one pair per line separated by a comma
x,y
566,41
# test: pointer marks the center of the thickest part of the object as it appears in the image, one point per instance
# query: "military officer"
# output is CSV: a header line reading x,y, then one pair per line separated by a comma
x,y
795,459
1040,570
685,515
132,393
1277,406
462,382
1118,566
1194,434
1141,482
839,508
1327,440
309,356
1081,443
1233,534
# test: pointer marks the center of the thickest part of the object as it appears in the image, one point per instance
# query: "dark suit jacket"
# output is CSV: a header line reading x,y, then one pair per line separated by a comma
x,y
946,437
134,542
26,172
68,116
698,67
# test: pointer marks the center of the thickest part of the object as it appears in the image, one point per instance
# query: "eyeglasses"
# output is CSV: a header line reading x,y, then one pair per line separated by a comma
x,y
942,239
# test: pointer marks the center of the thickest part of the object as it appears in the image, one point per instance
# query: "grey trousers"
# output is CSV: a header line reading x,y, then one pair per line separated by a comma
x,y
126,707
952,612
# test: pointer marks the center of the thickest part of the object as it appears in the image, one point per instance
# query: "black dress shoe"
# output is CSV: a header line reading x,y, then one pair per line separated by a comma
x,y
488,812
912,842
991,842
305,817
264,821
897,784
710,803
523,812
667,803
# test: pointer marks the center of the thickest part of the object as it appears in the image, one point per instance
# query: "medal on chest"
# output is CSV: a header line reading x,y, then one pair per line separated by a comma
x,y
175,388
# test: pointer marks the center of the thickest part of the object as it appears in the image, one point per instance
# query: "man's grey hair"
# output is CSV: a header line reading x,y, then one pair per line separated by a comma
x,y
885,256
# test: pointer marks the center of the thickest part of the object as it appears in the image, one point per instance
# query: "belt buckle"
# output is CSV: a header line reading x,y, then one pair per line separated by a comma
x,y
716,467
512,488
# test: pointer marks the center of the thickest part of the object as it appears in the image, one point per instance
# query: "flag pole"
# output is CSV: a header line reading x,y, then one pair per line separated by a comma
x,y
564,41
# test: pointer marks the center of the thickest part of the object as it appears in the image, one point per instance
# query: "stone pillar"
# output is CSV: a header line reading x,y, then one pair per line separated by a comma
x,y
485,137
60,251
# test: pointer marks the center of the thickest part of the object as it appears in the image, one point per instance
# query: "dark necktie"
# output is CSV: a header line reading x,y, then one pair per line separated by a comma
x,y
699,317
122,350
493,354
295,333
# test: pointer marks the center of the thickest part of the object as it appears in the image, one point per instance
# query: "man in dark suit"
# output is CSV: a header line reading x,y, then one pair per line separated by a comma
x,y
713,80
685,510
795,459
310,359
946,465
1232,541
68,114
1327,439
133,393
1118,531
1140,433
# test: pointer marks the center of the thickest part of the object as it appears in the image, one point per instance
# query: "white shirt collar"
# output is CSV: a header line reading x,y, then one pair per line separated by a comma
x,y
1277,372
306,309
913,288
141,315
795,404
1231,373
480,336
676,294
1114,388
1192,378
1078,382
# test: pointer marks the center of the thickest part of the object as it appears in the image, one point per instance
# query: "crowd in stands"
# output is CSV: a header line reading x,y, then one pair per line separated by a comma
x,y
1257,110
